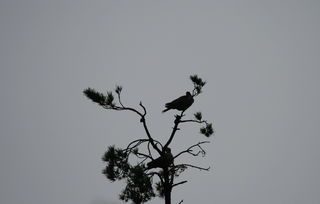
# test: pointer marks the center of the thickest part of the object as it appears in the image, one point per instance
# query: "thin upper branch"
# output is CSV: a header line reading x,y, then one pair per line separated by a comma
x,y
175,128
142,120
194,121
149,135
180,202
118,108
138,142
158,174
179,183
190,149
144,109
143,155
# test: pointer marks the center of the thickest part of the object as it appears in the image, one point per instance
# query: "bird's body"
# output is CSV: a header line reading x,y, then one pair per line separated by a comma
x,y
163,161
182,103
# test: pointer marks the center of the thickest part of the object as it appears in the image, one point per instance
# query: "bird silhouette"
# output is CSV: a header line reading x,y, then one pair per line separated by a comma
x,y
181,103
163,161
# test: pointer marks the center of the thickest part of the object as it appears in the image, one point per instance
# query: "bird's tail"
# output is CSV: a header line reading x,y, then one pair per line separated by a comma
x,y
167,107
165,110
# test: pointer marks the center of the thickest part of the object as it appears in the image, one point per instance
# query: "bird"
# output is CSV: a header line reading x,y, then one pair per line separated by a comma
x,y
161,162
182,103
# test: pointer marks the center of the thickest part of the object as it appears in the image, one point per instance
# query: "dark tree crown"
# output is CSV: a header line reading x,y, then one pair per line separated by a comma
x,y
153,175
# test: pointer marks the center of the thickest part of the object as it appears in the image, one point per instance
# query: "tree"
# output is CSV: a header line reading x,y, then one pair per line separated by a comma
x,y
152,175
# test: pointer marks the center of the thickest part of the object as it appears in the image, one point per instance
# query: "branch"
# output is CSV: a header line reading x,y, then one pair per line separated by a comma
x,y
142,161
118,108
176,184
141,120
106,101
158,174
132,147
143,155
194,121
149,135
138,141
189,150
148,146
144,109
192,166
175,128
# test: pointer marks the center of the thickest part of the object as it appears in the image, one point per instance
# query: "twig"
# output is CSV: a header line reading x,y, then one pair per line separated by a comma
x,y
144,109
143,155
192,166
176,184
138,141
158,174
142,161
118,108
119,99
194,121
189,150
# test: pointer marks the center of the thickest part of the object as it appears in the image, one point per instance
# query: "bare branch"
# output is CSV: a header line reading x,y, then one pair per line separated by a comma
x,y
118,108
144,109
142,161
149,135
145,156
190,149
192,166
149,149
131,148
175,128
138,141
158,174
194,121
176,184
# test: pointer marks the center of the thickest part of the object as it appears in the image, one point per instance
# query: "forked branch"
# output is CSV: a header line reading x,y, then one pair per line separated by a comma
x,y
190,150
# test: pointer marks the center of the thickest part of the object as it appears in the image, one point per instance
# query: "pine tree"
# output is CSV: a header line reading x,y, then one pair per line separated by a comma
x,y
153,175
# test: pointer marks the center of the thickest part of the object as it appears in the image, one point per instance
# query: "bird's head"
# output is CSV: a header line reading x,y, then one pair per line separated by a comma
x,y
188,94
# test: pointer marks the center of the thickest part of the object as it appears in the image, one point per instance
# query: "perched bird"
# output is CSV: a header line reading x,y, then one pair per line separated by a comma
x,y
181,103
163,161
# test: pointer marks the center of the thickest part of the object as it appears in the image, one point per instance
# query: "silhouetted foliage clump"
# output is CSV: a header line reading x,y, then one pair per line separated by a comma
x,y
139,187
117,164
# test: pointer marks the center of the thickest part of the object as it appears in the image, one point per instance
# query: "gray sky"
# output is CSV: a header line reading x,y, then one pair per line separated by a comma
x,y
261,61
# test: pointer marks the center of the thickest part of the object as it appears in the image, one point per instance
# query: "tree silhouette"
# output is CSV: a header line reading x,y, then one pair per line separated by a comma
x,y
152,175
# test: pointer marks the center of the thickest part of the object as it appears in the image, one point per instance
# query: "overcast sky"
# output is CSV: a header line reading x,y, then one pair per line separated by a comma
x,y
261,61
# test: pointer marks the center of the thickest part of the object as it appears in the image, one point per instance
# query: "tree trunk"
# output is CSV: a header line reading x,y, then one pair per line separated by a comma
x,y
167,186
167,197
